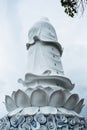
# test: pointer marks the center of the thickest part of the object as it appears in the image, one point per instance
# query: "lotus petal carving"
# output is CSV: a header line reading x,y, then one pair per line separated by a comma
x,y
48,97
39,98
13,95
79,106
67,94
10,104
49,90
71,102
57,99
21,99
29,91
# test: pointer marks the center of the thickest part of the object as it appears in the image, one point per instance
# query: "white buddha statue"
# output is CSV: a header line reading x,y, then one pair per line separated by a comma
x,y
47,102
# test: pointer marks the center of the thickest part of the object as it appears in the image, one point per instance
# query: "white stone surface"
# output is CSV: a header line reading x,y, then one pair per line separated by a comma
x,y
30,111
48,110
44,58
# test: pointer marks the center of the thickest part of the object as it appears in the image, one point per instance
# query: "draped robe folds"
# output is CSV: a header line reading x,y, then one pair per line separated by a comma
x,y
45,59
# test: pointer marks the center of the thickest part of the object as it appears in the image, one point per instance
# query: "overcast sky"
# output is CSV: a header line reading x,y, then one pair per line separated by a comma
x,y
16,17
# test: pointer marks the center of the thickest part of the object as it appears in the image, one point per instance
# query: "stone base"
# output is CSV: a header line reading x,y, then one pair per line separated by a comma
x,y
43,122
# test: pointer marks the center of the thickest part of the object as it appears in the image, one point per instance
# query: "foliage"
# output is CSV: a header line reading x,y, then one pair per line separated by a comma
x,y
72,7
